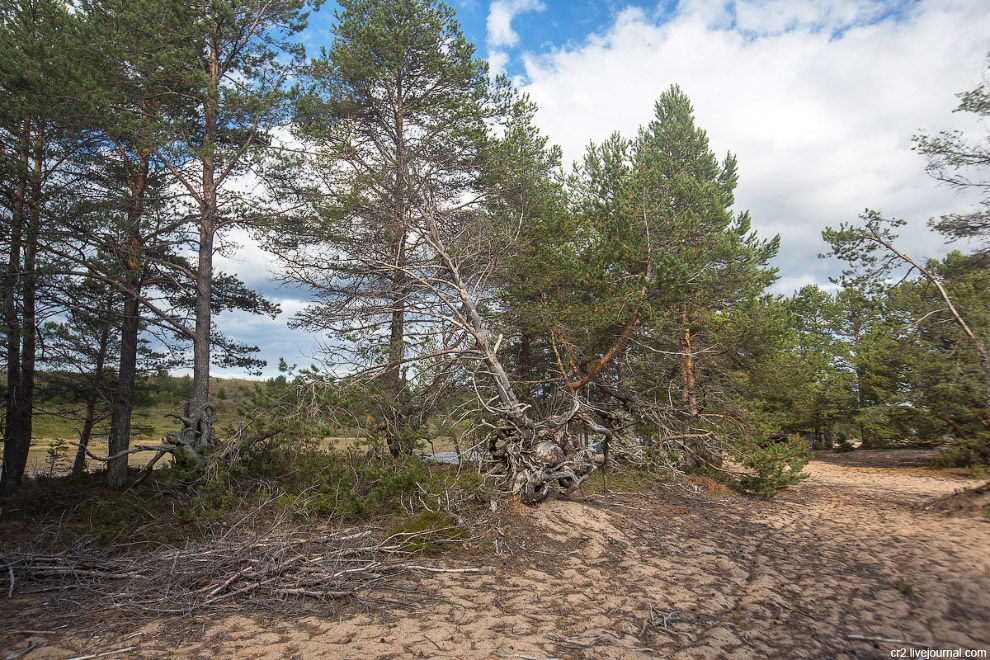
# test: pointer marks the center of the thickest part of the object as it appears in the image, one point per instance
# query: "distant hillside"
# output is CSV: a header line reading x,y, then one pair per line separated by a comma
x,y
61,408
62,399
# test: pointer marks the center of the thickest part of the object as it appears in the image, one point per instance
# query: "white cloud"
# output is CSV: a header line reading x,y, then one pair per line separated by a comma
x,y
819,101
248,260
768,17
500,15
497,59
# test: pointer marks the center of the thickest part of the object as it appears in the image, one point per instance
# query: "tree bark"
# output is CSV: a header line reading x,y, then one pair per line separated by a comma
x,y
130,327
689,397
693,442
120,426
79,464
395,385
24,395
207,231
15,446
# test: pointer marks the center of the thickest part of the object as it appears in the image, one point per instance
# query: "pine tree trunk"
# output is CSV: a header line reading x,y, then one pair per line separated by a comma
x,y
201,334
689,397
130,327
395,387
79,464
120,426
30,277
395,383
207,231
16,446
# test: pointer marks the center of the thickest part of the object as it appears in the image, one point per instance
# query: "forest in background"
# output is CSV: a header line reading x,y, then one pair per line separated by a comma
x,y
466,285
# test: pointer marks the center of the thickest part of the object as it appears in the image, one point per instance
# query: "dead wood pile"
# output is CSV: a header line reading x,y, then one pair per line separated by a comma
x,y
284,569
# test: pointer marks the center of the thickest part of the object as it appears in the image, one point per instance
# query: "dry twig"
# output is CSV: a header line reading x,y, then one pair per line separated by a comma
x,y
274,569
866,638
105,653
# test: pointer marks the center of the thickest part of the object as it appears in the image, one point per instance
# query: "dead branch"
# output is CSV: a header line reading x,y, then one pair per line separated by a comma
x,y
100,655
687,436
276,570
132,450
866,638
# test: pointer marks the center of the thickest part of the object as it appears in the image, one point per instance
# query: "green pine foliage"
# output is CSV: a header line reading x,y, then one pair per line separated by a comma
x,y
777,466
398,118
664,264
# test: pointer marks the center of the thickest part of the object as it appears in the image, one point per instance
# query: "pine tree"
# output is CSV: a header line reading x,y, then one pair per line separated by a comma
x,y
532,207
818,380
40,134
237,78
397,121
666,261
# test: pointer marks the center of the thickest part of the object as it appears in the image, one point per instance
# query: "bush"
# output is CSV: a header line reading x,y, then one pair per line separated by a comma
x,y
777,466
309,480
964,452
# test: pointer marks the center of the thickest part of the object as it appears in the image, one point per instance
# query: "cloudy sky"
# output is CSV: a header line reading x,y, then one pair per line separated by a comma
x,y
818,99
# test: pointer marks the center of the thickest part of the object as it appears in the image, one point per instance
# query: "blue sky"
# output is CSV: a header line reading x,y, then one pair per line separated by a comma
x,y
818,99
538,25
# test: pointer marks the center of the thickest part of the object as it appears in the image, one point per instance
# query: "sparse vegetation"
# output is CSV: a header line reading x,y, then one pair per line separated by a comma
x,y
608,332
904,588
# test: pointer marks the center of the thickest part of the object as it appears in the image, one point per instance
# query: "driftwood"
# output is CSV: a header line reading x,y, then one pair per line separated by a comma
x,y
548,460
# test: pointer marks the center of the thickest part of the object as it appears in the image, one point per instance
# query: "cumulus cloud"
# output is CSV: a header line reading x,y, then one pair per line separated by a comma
x,y
497,59
768,17
274,338
500,15
819,101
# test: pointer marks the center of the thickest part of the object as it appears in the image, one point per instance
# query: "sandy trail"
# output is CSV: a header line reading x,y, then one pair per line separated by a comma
x,y
848,553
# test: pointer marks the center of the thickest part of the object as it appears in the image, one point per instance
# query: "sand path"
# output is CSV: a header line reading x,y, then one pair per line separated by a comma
x,y
848,554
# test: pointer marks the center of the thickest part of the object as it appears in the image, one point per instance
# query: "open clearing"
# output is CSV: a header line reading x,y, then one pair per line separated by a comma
x,y
849,554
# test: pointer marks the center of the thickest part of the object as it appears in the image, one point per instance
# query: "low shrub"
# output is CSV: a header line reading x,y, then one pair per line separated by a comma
x,y
777,465
964,452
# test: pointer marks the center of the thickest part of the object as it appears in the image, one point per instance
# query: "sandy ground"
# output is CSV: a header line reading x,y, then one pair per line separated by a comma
x,y
849,554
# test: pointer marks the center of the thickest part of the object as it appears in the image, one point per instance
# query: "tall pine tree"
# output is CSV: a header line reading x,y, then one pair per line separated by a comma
x,y
398,123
